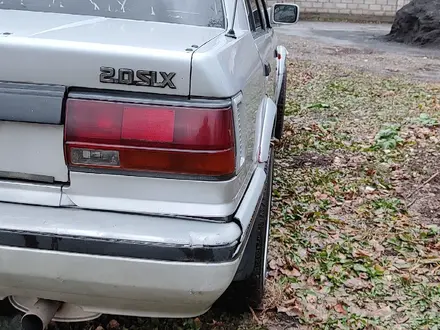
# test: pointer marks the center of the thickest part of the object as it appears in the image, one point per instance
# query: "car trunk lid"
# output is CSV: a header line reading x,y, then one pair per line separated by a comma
x,y
44,55
69,50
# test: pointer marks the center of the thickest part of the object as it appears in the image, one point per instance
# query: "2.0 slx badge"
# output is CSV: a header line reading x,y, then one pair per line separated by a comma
x,y
144,77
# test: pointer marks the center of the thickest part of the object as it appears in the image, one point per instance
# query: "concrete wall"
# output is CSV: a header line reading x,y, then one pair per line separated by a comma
x,y
380,8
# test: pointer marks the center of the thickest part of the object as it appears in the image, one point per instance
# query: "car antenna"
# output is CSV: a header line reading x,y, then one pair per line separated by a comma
x,y
231,32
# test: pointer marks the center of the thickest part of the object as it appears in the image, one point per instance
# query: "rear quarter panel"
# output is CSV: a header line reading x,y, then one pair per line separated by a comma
x,y
225,67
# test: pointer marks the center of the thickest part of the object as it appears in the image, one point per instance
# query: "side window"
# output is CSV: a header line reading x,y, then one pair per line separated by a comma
x,y
265,13
250,16
256,13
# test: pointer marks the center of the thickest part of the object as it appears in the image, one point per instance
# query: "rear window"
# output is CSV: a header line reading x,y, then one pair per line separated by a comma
x,y
192,12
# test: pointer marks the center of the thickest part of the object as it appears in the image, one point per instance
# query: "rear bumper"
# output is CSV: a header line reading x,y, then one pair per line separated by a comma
x,y
115,285
116,263
117,235
124,264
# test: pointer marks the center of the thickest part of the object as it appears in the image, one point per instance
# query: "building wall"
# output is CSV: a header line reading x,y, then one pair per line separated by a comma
x,y
382,8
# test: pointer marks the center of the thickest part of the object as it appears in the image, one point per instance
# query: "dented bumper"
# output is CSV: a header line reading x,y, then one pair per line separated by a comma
x,y
113,285
116,263
113,263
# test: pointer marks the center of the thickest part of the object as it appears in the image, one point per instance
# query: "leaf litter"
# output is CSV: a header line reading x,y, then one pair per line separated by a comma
x,y
365,256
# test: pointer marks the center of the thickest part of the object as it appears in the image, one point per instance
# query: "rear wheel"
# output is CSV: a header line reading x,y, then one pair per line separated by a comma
x,y
250,291
6,309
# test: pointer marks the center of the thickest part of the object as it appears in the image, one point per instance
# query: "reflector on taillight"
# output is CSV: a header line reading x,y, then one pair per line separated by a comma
x,y
132,137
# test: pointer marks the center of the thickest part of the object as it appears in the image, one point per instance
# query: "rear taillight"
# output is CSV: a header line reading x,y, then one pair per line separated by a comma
x,y
132,137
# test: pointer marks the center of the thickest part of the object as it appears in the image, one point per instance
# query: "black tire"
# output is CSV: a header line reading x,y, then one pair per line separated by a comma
x,y
6,309
250,291
281,108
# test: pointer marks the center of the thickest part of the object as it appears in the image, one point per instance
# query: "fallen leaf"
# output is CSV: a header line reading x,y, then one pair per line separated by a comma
x,y
290,302
379,269
340,309
357,311
314,313
357,284
382,312
273,264
290,272
311,281
290,310
361,253
302,253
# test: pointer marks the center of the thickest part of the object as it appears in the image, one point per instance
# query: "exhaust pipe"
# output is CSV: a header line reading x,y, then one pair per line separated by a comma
x,y
39,315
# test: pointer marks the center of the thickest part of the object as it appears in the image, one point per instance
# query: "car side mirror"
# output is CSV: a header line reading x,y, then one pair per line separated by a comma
x,y
284,13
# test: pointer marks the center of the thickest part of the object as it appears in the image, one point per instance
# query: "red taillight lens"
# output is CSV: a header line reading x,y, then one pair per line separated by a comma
x,y
149,138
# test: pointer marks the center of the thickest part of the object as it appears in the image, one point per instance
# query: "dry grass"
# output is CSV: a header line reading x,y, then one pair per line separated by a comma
x,y
348,251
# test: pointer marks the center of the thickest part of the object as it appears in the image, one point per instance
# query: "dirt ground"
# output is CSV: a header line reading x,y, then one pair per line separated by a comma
x,y
359,46
355,231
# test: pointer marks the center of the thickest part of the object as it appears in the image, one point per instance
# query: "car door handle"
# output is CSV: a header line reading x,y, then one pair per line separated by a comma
x,y
267,69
